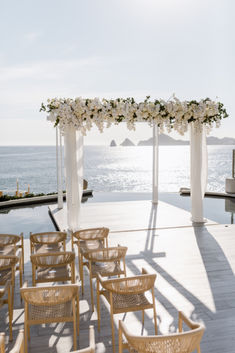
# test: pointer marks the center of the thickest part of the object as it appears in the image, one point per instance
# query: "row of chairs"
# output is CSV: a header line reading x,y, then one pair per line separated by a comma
x,y
173,343
19,346
49,257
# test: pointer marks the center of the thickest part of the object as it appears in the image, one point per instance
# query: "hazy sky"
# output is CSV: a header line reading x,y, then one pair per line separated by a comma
x,y
111,48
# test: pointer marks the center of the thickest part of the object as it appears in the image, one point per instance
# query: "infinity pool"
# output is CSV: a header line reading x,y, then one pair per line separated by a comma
x,y
36,218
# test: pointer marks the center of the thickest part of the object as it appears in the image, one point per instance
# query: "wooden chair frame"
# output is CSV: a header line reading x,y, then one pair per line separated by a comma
x,y
12,244
6,291
86,240
18,346
2,342
190,340
112,255
55,261
49,242
8,265
44,298
127,288
91,347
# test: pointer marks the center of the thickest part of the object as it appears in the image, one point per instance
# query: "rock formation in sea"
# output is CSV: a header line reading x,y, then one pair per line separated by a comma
x,y
163,140
127,142
113,143
169,141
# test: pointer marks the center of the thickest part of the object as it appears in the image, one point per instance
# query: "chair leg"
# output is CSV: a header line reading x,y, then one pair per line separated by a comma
x,y
22,247
12,288
91,287
98,301
124,266
2,346
112,323
154,311
21,271
73,278
10,312
26,327
78,323
33,275
28,332
143,318
74,327
81,272
120,348
25,337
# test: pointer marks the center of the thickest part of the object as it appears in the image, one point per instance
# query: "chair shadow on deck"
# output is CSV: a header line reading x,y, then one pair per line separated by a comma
x,y
221,282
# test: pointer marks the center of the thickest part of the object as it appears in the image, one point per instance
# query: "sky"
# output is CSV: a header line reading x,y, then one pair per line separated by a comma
x,y
111,48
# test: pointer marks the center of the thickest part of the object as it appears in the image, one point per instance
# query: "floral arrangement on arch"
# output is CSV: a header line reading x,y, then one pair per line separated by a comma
x,y
83,113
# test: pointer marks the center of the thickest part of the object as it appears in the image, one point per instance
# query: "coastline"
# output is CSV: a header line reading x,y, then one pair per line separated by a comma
x,y
37,200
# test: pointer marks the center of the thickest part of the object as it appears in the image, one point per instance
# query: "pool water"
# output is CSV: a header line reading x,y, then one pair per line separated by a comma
x,y
37,219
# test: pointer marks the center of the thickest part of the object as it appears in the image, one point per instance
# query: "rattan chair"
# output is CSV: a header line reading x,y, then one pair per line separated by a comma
x,y
86,240
51,304
107,262
6,298
91,348
182,342
18,346
53,267
12,244
47,242
127,295
2,342
7,273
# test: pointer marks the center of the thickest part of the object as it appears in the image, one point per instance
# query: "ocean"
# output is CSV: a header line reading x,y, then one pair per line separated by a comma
x,y
112,169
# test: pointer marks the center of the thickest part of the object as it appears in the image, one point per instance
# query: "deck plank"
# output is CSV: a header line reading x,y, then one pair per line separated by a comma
x,y
126,215
195,273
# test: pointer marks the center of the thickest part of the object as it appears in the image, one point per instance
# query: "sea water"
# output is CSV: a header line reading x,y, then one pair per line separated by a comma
x,y
112,169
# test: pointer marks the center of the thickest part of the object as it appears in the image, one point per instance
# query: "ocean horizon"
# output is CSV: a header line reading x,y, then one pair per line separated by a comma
x,y
112,169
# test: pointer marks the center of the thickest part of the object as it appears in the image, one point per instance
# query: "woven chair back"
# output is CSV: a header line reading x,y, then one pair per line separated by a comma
x,y
130,285
8,261
53,259
48,237
91,234
107,254
9,239
184,342
48,296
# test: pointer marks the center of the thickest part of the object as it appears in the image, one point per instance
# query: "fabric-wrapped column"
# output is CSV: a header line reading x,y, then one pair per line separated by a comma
x,y
59,168
73,143
155,164
198,172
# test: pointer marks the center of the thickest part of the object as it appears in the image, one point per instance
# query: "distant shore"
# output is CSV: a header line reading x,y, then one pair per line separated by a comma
x,y
165,140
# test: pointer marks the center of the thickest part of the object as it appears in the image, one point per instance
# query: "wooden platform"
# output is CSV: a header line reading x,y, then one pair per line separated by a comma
x,y
126,215
195,273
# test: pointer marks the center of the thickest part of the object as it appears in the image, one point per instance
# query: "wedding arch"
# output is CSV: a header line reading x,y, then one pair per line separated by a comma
x,y
74,117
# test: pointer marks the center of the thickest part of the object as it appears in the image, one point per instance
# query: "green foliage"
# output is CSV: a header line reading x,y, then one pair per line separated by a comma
x,y
14,197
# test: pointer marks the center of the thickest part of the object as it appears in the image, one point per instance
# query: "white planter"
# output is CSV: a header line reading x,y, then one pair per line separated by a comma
x,y
230,185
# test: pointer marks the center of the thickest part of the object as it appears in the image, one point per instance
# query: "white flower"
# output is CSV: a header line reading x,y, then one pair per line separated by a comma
x,y
173,114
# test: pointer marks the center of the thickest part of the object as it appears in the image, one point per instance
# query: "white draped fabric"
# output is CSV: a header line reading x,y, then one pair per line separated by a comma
x,y
59,168
155,164
198,173
73,143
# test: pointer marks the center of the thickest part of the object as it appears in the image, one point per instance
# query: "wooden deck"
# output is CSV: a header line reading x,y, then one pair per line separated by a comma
x,y
126,215
195,273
